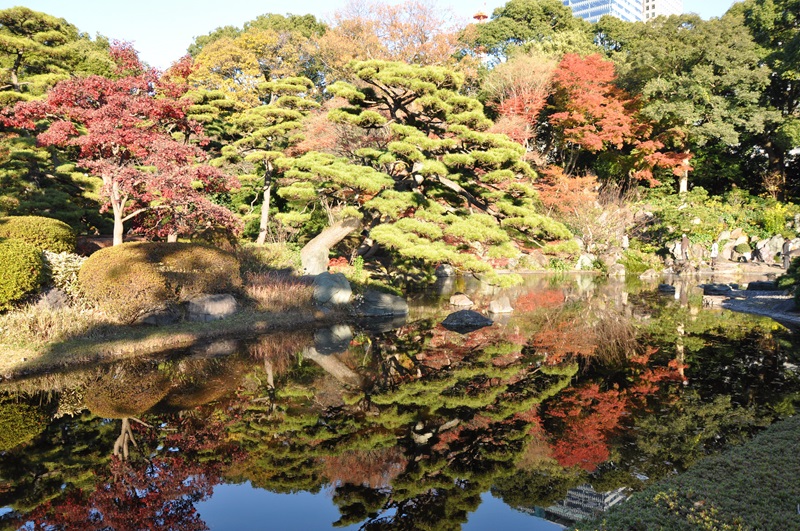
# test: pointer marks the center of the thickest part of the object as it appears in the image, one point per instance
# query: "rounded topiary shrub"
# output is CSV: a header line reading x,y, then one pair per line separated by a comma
x,y
21,271
47,234
128,280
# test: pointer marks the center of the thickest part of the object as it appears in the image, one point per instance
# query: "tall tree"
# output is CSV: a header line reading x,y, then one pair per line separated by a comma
x,y
701,80
37,50
774,25
411,31
458,193
121,131
267,131
521,22
269,48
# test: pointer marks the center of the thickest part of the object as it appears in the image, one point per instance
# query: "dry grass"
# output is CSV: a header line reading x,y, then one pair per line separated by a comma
x,y
275,291
34,325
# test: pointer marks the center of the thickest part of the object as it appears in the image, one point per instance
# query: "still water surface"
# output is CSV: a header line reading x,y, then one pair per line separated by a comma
x,y
585,393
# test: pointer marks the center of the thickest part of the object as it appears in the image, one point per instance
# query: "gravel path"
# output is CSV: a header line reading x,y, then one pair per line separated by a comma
x,y
775,304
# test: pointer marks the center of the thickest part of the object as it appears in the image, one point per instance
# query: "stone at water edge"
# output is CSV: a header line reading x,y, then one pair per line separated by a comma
x,y
500,305
332,288
585,262
211,307
649,274
464,321
716,289
376,304
616,270
445,270
460,299
762,285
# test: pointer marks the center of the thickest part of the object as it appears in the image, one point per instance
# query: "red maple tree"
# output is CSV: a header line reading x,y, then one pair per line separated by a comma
x,y
593,114
121,129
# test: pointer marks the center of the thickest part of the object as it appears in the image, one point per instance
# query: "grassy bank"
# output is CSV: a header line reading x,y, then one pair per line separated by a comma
x,y
753,486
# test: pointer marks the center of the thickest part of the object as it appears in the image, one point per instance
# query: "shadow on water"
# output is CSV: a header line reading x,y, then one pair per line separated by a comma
x,y
587,391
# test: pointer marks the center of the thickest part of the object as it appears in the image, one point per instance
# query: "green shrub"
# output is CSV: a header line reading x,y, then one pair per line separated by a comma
x,y
637,262
46,234
128,280
742,248
21,271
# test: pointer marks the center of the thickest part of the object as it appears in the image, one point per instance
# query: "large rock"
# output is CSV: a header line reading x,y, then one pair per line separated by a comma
x,y
332,288
500,305
762,285
445,270
585,262
333,340
460,299
649,274
716,289
698,251
616,270
666,288
737,233
464,321
211,307
377,303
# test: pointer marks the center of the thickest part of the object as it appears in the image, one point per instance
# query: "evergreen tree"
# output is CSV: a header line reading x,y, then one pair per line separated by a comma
x,y
442,188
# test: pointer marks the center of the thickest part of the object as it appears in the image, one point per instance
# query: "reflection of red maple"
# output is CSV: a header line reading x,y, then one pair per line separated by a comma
x,y
156,495
566,338
539,299
590,415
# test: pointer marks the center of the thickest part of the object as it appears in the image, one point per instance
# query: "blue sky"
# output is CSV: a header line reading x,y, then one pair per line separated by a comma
x,y
161,30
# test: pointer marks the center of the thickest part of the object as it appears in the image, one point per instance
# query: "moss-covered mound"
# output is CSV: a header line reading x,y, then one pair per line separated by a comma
x,y
19,423
46,234
753,486
128,280
21,271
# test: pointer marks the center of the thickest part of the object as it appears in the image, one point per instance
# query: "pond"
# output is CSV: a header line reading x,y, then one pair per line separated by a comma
x,y
587,392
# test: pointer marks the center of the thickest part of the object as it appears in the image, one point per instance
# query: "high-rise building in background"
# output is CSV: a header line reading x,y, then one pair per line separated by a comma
x,y
654,8
627,10
592,10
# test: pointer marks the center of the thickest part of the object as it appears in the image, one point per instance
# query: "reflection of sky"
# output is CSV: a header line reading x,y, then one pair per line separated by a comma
x,y
244,508
493,513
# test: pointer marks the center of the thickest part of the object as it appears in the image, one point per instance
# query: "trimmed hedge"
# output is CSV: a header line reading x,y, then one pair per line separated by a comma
x,y
21,271
47,234
128,280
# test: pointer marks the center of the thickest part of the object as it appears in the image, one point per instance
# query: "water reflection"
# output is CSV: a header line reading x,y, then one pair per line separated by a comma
x,y
586,386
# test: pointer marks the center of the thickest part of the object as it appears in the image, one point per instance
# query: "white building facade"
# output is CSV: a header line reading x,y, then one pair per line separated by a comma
x,y
627,10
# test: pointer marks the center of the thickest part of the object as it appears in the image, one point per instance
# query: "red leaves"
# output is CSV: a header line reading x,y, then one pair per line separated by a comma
x,y
123,129
595,112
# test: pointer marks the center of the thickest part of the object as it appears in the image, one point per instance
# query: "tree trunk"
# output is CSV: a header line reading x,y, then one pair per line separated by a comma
x,y
334,366
117,206
262,228
683,183
119,228
314,256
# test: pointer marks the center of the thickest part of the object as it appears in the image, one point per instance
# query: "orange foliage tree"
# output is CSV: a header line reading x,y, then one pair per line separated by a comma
x,y
413,32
